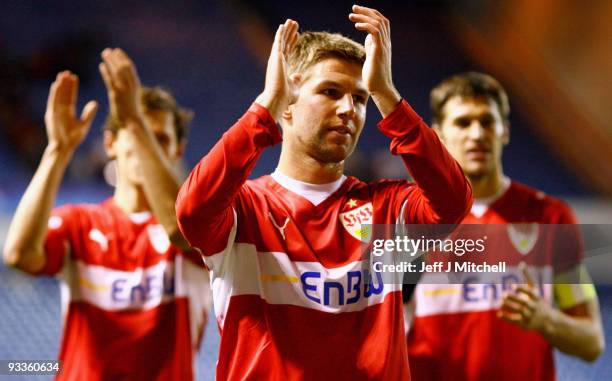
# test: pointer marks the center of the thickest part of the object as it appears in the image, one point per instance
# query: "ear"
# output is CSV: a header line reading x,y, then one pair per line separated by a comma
x,y
109,145
295,80
287,114
506,134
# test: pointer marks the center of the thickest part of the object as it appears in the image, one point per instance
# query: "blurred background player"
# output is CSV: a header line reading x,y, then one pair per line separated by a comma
x,y
285,250
135,297
489,337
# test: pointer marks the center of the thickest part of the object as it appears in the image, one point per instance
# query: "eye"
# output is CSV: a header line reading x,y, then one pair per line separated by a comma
x,y
332,93
359,99
487,121
463,122
163,140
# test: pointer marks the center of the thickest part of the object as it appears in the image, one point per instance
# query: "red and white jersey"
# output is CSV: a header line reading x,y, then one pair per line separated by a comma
x,y
455,333
292,297
133,306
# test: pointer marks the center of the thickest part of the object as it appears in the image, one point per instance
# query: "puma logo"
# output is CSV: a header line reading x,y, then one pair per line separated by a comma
x,y
98,237
281,229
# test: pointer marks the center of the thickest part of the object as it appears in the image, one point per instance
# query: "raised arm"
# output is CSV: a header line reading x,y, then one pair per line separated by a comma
x,y
24,247
159,180
204,205
443,194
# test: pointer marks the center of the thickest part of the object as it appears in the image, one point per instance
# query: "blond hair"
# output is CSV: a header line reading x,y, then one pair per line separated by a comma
x,y
313,47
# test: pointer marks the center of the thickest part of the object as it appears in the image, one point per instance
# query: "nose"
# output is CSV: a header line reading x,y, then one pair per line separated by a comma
x,y
476,130
346,106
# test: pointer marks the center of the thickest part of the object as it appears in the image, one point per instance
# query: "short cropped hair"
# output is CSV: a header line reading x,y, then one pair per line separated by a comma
x,y
159,99
313,47
468,85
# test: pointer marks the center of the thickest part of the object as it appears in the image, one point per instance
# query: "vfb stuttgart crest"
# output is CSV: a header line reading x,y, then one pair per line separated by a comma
x,y
523,236
358,221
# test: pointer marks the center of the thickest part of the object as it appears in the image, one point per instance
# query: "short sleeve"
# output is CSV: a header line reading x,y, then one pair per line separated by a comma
x,y
58,243
572,283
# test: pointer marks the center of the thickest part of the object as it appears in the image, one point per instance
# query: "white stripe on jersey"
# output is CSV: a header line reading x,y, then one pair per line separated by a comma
x,y
143,288
241,270
474,292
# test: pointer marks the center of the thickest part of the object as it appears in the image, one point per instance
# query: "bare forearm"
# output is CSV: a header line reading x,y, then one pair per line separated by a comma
x,y
26,235
160,182
387,101
577,336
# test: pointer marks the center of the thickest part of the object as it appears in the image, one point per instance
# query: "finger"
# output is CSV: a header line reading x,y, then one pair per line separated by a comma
x,y
62,93
121,55
128,67
277,44
367,11
285,35
528,291
110,60
52,93
89,113
106,77
514,307
526,275
372,31
510,317
367,27
380,25
528,304
73,91
357,17
292,35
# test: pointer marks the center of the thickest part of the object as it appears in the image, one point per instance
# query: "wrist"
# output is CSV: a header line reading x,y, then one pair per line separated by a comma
x,y
273,104
545,324
386,100
59,151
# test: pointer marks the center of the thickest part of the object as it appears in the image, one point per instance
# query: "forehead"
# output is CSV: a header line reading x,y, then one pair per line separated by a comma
x,y
336,70
470,107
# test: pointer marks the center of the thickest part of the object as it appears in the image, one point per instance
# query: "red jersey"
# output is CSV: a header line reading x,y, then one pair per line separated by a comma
x,y
456,334
291,297
133,306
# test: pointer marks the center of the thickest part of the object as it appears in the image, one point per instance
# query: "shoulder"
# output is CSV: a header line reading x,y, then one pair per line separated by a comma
x,y
553,210
84,214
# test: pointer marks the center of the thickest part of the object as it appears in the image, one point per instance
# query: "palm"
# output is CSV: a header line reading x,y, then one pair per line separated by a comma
x,y
63,127
122,85
280,90
368,69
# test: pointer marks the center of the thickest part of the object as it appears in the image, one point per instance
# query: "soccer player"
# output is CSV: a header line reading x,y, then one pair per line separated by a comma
x,y
134,296
291,297
468,331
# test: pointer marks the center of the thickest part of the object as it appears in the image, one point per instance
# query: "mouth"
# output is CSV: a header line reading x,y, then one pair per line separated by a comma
x,y
478,153
341,129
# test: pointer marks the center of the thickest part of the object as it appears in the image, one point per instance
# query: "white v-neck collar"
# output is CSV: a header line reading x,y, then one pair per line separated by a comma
x,y
315,193
140,217
481,205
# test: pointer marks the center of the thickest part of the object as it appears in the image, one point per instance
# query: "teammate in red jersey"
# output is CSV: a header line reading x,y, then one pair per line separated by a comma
x,y
291,295
134,297
470,331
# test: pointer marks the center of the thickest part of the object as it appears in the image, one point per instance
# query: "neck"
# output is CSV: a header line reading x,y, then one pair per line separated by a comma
x,y
307,169
487,185
130,198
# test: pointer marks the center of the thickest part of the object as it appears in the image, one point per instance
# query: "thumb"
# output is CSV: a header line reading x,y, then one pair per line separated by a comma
x,y
89,113
526,275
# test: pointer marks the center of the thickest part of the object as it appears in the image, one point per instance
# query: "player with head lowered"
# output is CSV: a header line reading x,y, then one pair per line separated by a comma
x,y
291,295
477,331
134,295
